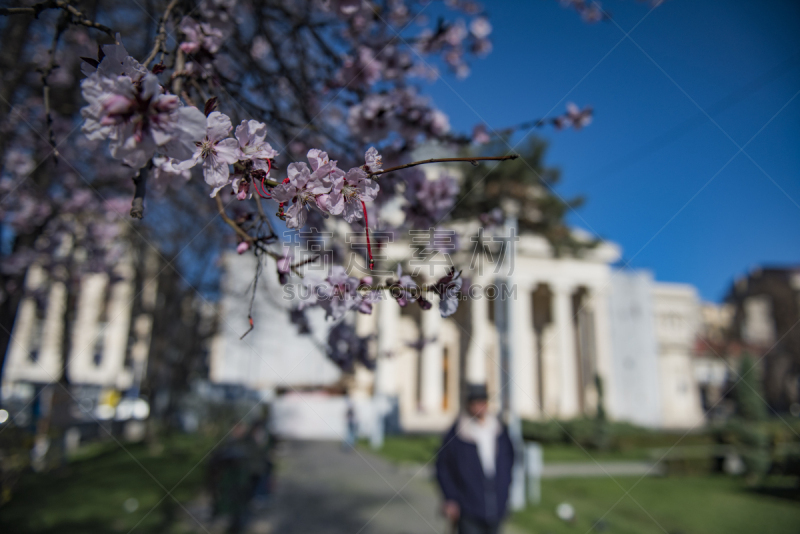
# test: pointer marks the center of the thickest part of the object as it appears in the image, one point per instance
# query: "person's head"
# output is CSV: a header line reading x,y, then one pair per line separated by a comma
x,y
477,401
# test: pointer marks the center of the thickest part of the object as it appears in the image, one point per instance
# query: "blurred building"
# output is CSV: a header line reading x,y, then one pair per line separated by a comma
x,y
575,323
98,350
765,313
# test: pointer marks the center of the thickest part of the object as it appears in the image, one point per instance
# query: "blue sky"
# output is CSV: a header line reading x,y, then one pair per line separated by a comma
x,y
652,164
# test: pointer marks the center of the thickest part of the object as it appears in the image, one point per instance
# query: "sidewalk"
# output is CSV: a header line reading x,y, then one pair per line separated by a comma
x,y
322,489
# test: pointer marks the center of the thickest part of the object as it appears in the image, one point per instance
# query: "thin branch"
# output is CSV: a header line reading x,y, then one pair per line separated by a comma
x,y
75,16
473,160
140,183
230,222
161,38
51,66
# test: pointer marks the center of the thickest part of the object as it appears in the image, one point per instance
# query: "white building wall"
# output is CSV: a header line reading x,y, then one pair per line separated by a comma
x,y
19,366
678,320
636,394
273,354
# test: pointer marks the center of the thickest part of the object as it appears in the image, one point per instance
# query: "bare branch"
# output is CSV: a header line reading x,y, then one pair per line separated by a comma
x,y
161,37
75,16
473,160
140,183
230,222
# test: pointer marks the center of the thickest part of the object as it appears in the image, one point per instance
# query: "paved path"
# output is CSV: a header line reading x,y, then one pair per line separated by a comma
x,y
322,489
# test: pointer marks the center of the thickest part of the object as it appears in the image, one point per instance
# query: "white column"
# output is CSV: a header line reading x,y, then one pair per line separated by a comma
x,y
568,401
431,382
602,339
476,353
388,349
523,372
363,379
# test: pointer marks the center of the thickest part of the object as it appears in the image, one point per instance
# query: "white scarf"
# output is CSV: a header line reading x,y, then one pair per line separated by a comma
x,y
484,435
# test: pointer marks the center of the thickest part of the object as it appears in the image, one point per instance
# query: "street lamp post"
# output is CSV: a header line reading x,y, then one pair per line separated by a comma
x,y
506,334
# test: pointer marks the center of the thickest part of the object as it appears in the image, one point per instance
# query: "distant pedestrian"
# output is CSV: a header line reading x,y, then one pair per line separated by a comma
x,y
474,468
233,474
352,427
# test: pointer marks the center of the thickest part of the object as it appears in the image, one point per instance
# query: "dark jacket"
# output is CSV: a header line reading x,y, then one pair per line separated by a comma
x,y
461,477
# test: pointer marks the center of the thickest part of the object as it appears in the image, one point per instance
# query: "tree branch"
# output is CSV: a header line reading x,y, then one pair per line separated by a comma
x,y
137,205
75,16
161,37
230,222
474,161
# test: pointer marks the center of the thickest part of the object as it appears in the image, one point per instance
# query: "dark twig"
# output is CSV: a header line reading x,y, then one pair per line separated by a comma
x,y
259,267
51,66
161,38
230,222
75,16
473,160
140,183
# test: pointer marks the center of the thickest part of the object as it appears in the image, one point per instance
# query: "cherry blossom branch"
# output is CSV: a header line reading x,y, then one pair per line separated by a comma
x,y
230,222
161,37
75,16
473,160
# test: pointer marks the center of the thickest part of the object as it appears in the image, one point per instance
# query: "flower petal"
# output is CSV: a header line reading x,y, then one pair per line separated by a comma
x,y
218,126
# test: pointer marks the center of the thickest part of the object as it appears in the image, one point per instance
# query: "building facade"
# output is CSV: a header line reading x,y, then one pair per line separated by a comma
x,y
108,344
572,324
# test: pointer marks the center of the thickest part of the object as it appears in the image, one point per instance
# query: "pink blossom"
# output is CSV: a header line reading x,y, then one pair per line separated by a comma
x,y
308,187
479,135
374,162
480,27
166,175
252,145
128,106
260,48
200,35
403,290
356,188
243,247
217,151
447,288
284,267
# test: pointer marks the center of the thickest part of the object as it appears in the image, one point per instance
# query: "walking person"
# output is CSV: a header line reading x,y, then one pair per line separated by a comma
x,y
473,468
351,433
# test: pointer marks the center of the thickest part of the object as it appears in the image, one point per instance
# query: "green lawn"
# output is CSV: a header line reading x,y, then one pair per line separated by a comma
x,y
687,505
410,449
88,495
703,504
420,449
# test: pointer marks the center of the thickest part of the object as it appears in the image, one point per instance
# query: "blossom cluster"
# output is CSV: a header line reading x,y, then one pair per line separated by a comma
x,y
324,186
405,291
402,111
128,106
346,348
574,117
339,293
429,201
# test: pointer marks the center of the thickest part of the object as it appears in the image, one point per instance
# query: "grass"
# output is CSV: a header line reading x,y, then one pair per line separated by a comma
x,y
410,449
89,493
420,449
702,504
687,505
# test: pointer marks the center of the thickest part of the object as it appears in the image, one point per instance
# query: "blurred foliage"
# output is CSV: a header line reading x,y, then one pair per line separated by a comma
x,y
15,446
750,403
526,180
